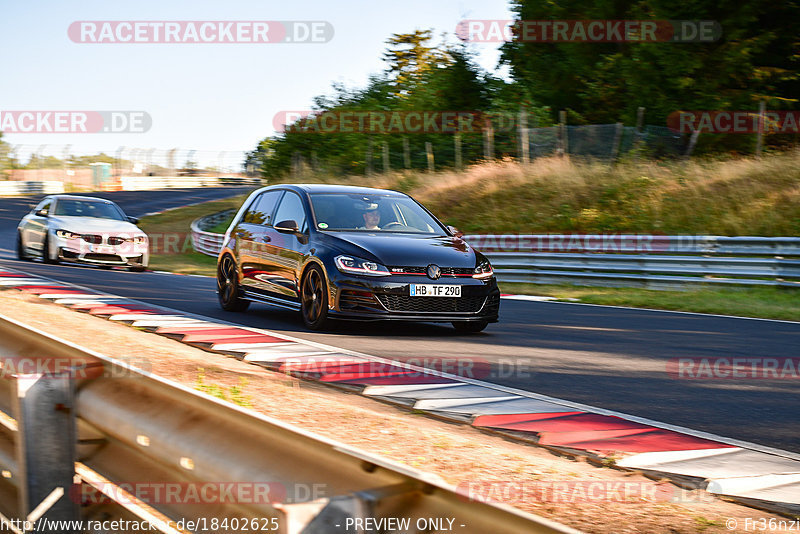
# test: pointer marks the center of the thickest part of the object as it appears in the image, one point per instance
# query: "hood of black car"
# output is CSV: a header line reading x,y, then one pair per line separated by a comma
x,y
398,249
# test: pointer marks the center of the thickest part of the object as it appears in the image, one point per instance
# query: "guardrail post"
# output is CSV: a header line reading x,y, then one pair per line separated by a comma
x,y
343,513
44,410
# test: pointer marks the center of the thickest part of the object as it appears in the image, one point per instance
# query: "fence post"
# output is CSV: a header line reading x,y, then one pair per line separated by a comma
x,y
369,156
45,414
617,141
525,148
692,143
488,140
429,153
457,141
64,163
296,164
760,136
562,132
386,156
639,119
639,130
406,153
171,162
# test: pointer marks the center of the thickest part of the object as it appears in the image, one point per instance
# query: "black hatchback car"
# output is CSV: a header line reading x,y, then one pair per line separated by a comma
x,y
353,253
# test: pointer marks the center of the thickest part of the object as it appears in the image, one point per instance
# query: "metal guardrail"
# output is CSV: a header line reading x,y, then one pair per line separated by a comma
x,y
642,260
14,188
663,261
641,243
125,426
209,243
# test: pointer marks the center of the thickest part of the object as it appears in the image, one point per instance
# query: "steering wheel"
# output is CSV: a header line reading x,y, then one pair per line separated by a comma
x,y
392,224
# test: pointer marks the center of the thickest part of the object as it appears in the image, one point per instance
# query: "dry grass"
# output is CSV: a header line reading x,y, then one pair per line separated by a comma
x,y
722,197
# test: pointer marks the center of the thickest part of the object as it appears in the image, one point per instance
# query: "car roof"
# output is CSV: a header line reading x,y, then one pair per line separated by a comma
x,y
332,188
77,197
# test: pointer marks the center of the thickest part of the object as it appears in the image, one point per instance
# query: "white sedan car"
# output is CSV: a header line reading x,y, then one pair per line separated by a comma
x,y
83,230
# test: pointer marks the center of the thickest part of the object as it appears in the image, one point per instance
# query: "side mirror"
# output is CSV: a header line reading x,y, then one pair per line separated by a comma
x,y
41,213
455,231
133,220
287,227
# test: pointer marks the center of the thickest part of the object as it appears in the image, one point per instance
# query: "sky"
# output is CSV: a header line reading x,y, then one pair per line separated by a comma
x,y
205,96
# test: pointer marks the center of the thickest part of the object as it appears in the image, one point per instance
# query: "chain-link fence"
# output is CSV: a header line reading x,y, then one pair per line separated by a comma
x,y
606,141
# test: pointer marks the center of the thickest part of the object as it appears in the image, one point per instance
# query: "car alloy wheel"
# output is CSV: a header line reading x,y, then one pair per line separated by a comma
x,y
21,255
46,251
228,286
314,298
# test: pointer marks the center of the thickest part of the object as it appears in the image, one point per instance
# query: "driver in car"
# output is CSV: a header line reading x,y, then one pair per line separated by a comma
x,y
371,218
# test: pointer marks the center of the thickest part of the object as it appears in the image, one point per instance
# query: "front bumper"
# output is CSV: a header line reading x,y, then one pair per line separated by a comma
x,y
124,255
388,298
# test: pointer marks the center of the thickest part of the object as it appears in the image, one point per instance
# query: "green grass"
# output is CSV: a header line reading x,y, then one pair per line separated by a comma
x,y
763,302
187,263
221,227
182,259
232,394
178,220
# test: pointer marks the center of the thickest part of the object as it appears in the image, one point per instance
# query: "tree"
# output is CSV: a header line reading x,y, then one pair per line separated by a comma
x,y
755,59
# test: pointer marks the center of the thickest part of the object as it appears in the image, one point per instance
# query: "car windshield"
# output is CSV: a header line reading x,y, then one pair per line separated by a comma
x,y
88,208
372,213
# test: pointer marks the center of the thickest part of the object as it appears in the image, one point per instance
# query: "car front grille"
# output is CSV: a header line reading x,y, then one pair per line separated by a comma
x,y
102,257
422,271
405,303
93,239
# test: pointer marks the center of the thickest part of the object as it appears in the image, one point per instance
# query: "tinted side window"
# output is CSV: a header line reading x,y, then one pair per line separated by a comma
x,y
262,207
43,205
292,208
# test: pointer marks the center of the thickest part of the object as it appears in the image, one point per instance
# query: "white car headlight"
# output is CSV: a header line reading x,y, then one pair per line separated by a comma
x,y
351,265
483,270
66,234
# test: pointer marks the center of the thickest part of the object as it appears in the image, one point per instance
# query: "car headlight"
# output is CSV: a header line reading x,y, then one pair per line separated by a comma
x,y
66,234
483,270
351,265
139,239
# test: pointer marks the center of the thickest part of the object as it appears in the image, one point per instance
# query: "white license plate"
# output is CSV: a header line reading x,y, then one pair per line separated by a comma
x,y
103,250
431,290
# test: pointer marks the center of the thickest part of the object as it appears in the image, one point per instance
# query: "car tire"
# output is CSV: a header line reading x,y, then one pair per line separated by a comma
x,y
46,252
470,327
228,291
137,268
21,255
314,298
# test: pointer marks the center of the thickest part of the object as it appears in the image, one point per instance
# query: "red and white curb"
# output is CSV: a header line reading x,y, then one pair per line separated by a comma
x,y
751,474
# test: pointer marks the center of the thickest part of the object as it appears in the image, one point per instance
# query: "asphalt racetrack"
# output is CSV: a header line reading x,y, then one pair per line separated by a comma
x,y
613,358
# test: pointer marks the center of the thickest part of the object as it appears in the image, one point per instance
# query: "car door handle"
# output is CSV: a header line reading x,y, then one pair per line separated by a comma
x,y
266,239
